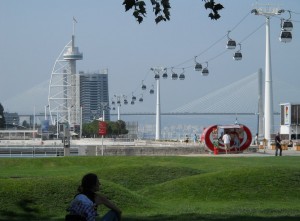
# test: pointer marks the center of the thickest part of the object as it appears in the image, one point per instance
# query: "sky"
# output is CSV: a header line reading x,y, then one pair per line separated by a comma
x,y
34,32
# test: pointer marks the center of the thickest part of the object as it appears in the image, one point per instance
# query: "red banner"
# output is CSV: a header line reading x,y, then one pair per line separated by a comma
x,y
102,128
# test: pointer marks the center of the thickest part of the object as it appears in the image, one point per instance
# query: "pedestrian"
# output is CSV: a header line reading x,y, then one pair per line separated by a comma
x,y
84,205
195,138
236,143
278,145
290,144
226,139
256,139
186,139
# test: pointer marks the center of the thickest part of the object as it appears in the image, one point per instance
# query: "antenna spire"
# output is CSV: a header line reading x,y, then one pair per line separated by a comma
x,y
74,22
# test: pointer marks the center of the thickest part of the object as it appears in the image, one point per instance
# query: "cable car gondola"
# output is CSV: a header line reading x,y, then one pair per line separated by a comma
x,y
125,101
198,66
152,90
143,86
285,36
182,76
156,76
287,25
132,102
238,54
133,98
205,71
231,44
141,98
174,75
286,28
165,75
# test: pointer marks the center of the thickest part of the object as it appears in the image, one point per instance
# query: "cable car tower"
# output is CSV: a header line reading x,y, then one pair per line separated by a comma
x,y
268,11
64,95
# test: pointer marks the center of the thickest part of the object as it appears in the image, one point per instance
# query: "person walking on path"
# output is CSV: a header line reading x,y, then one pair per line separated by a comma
x,y
236,143
278,145
256,140
84,205
226,139
195,138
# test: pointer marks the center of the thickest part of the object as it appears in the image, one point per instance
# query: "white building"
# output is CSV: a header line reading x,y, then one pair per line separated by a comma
x,y
289,123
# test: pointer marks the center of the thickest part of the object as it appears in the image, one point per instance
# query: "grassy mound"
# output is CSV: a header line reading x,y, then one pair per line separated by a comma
x,y
156,188
237,184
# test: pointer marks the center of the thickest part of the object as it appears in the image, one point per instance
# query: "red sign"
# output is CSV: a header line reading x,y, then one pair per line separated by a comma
x,y
102,128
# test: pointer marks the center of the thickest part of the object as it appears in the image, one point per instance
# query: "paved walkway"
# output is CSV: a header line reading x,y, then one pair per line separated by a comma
x,y
260,153
155,148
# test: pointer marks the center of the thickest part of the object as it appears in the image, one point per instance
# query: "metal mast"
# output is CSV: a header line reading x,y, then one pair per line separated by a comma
x,y
158,124
267,11
158,71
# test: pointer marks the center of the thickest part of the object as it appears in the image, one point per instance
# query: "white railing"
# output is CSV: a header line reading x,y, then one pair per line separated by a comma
x,y
34,151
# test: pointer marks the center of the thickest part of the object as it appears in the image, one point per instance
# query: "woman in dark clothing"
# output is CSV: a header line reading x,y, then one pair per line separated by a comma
x,y
84,205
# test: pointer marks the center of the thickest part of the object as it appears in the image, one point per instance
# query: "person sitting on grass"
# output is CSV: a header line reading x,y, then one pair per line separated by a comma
x,y
84,205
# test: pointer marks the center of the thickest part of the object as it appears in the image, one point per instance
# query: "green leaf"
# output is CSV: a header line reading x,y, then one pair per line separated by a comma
x,y
208,5
217,16
140,4
153,2
142,10
211,15
140,19
167,13
159,19
128,4
218,7
165,3
157,9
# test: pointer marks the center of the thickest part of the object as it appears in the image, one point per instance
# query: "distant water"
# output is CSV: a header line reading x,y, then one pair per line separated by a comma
x,y
176,127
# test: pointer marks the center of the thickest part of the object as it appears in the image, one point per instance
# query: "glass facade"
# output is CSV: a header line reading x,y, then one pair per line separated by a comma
x,y
94,97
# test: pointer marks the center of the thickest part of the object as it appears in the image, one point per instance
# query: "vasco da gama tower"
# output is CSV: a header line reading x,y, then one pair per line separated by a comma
x,y
64,87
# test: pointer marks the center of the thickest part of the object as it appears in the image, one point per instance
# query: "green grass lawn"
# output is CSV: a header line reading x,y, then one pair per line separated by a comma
x,y
156,188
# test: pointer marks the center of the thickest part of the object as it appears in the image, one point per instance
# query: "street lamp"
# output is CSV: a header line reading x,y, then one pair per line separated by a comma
x,y
33,127
119,97
69,115
57,121
80,133
1,119
104,106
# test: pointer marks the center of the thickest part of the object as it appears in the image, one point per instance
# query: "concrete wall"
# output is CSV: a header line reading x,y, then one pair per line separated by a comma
x,y
142,150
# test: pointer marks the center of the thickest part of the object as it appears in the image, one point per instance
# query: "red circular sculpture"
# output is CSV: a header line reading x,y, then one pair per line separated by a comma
x,y
212,137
